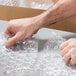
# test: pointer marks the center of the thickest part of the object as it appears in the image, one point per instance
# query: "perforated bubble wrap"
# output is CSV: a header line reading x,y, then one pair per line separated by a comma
x,y
24,59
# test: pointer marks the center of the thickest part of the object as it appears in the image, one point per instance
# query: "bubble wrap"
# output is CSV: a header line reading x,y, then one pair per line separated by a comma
x,y
9,2
19,59
24,58
38,4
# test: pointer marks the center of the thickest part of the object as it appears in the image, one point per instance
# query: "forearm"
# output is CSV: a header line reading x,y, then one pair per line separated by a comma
x,y
61,10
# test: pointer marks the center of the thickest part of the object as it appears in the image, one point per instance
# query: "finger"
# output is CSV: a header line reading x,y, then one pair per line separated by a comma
x,y
65,50
73,56
70,47
63,45
67,57
73,61
11,41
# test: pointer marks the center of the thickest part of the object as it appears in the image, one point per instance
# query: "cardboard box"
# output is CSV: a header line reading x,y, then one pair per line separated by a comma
x,y
9,12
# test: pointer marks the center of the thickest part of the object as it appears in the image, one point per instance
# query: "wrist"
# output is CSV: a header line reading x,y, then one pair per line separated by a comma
x,y
39,21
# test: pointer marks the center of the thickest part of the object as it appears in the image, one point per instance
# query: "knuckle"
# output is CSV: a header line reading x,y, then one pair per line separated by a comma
x,y
71,44
11,22
72,39
61,46
24,37
71,51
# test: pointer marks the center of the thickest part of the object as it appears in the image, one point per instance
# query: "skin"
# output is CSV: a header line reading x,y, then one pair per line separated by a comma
x,y
21,29
68,51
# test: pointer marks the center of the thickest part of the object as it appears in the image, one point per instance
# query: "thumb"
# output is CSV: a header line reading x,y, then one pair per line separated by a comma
x,y
11,41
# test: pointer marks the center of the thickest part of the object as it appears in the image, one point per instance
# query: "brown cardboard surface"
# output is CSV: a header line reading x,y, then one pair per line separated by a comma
x,y
9,12
67,24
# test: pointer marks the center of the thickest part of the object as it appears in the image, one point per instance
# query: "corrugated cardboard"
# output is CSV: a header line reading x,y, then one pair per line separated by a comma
x,y
9,12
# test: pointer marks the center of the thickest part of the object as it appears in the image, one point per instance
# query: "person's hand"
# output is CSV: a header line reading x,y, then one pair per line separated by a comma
x,y
68,51
21,29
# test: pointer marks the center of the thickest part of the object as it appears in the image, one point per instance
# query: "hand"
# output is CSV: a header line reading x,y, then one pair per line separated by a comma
x,y
21,29
68,51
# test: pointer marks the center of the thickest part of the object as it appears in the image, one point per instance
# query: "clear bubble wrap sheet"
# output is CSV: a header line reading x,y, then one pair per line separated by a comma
x,y
37,4
24,58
